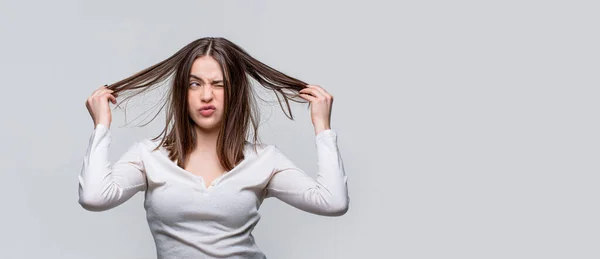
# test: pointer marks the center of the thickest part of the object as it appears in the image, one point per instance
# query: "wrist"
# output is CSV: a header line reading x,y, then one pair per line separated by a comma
x,y
321,128
105,123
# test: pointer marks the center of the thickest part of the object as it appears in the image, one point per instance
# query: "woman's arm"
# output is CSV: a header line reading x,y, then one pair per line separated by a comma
x,y
103,186
327,195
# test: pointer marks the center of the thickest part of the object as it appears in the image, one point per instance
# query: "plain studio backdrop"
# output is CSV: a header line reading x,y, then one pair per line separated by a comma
x,y
469,129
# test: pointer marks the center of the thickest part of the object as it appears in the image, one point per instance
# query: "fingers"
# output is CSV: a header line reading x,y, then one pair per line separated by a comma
x,y
112,98
318,92
103,92
308,97
108,97
318,88
321,91
309,94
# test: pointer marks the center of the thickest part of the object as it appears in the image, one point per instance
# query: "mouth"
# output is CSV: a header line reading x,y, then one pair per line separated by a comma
x,y
207,110
208,107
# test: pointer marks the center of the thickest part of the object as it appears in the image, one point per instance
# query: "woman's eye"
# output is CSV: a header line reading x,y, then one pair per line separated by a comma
x,y
194,84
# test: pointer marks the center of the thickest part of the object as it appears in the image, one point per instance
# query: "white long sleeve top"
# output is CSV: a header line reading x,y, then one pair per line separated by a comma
x,y
189,220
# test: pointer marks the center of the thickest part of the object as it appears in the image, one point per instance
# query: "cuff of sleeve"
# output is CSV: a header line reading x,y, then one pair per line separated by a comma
x,y
101,131
101,126
327,134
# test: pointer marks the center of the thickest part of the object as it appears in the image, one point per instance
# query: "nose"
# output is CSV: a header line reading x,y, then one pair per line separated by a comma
x,y
207,94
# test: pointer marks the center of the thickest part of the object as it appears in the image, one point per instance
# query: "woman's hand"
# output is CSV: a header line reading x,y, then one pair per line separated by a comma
x,y
98,107
320,106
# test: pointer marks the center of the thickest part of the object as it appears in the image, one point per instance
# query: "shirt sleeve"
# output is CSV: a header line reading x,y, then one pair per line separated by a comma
x,y
103,186
327,195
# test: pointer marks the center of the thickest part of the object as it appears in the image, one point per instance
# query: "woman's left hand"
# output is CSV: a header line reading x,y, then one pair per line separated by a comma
x,y
320,106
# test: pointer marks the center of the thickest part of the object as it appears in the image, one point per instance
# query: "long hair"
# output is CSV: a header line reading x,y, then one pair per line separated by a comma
x,y
240,110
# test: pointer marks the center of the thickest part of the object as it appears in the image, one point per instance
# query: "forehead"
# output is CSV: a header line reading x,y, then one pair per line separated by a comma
x,y
207,67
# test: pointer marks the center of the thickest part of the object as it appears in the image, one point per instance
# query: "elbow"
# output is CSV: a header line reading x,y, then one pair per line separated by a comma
x,y
92,203
339,208
98,199
88,204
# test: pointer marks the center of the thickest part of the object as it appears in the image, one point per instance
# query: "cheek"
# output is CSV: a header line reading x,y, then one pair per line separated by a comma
x,y
189,104
220,96
189,97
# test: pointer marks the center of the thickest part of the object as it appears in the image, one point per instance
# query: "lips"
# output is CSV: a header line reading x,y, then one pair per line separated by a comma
x,y
207,110
207,107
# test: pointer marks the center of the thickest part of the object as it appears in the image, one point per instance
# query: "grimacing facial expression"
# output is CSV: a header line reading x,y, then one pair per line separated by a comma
x,y
206,93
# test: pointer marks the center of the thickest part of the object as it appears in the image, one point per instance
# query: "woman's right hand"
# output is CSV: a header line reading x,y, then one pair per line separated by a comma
x,y
98,106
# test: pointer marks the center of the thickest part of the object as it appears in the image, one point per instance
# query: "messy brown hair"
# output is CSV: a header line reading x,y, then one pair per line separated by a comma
x,y
240,107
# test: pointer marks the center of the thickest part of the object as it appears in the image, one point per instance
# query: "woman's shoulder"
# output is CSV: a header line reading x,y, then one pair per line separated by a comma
x,y
147,144
259,148
258,145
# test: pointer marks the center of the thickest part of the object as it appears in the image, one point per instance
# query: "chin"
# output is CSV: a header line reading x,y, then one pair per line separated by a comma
x,y
207,126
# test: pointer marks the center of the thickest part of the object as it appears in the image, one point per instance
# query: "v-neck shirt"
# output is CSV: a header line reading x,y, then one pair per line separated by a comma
x,y
189,220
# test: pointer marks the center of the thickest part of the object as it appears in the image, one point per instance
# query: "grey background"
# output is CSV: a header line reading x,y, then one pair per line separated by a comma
x,y
469,129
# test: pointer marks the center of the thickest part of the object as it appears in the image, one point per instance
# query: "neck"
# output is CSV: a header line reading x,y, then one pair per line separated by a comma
x,y
206,140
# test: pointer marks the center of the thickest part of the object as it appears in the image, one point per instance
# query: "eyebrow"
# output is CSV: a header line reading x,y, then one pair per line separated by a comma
x,y
200,79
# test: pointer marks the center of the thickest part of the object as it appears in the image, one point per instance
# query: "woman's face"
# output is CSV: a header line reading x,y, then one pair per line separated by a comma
x,y
206,93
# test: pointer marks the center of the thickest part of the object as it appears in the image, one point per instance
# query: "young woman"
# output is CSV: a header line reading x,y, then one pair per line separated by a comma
x,y
203,180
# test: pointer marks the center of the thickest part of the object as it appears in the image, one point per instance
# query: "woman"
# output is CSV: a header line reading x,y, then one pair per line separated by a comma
x,y
203,181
